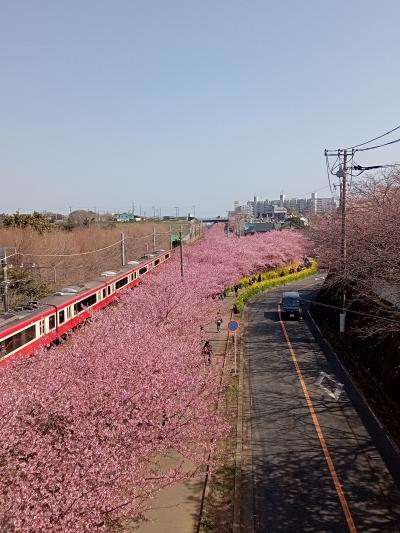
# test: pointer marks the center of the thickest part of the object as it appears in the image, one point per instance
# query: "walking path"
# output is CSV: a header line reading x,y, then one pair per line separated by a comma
x,y
177,508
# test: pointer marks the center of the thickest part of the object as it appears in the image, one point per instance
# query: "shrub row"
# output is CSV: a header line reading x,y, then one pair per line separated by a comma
x,y
271,279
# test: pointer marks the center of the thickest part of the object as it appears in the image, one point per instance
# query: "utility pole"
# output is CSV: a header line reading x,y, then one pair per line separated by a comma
x,y
154,238
177,212
122,248
181,249
342,175
5,278
340,195
344,243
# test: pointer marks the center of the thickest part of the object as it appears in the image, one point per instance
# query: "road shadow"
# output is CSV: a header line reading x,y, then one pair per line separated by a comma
x,y
271,315
292,487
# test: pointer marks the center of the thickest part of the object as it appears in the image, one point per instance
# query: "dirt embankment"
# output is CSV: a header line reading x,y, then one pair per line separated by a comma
x,y
47,258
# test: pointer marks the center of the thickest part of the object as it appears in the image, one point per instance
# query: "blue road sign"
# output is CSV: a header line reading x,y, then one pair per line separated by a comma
x,y
233,325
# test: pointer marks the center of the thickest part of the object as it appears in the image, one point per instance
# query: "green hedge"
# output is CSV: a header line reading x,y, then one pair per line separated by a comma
x,y
271,279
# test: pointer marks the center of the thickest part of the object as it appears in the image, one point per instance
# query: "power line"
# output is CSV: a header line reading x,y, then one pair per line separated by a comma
x,y
370,141
373,167
377,146
81,253
375,138
350,310
334,152
70,255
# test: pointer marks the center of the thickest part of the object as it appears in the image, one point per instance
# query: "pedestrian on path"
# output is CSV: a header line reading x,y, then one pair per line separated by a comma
x,y
207,351
218,323
236,289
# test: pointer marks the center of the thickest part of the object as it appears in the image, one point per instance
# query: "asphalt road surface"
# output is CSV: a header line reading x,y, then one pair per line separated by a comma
x,y
310,472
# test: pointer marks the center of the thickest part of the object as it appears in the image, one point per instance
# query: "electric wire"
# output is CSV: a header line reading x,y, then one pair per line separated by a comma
x,y
328,174
349,310
70,255
374,139
82,253
370,141
377,146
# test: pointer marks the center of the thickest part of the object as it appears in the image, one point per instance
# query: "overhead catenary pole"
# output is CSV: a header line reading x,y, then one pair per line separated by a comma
x,y
5,278
181,249
122,248
154,238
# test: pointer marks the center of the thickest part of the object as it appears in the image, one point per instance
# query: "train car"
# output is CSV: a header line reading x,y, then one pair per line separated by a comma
x,y
42,323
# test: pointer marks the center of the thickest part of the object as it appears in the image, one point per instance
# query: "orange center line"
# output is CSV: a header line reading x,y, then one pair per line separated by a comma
x,y
314,418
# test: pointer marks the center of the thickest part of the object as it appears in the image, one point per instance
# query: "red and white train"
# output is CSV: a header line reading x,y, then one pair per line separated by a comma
x,y
49,319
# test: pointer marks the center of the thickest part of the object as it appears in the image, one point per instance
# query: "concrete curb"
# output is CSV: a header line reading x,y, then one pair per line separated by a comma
x,y
242,516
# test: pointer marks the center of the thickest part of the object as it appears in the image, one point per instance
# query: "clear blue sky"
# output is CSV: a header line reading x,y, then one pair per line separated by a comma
x,y
181,102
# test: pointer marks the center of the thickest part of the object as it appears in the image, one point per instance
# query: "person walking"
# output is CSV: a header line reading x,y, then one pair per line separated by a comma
x,y
218,322
207,351
236,289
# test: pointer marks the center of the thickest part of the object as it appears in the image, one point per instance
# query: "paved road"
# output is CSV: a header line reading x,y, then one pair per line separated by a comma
x,y
293,489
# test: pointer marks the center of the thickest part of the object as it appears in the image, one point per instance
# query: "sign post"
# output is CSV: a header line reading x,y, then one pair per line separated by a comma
x,y
233,326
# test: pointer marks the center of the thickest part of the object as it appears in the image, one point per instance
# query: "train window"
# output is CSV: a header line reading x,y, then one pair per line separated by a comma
x,y
104,293
86,302
16,341
166,256
121,282
142,271
156,262
61,317
135,275
52,322
109,290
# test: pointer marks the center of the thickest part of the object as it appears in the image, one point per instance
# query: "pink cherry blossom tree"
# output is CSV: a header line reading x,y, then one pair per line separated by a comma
x,y
372,270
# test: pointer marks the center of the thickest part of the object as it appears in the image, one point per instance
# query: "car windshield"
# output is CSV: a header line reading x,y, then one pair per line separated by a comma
x,y
291,302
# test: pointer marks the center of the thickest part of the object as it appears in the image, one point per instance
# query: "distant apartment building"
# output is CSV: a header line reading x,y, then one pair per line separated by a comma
x,y
278,210
322,205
